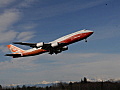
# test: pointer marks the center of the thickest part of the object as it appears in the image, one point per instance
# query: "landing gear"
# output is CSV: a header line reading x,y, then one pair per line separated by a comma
x,y
85,40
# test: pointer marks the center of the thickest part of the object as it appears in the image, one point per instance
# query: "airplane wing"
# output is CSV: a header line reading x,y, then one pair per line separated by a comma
x,y
45,46
28,44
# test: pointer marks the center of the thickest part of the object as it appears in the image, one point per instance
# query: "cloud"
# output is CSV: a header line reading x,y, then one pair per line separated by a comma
x,y
3,48
28,26
105,32
4,3
25,3
8,18
18,63
96,65
62,67
7,36
24,36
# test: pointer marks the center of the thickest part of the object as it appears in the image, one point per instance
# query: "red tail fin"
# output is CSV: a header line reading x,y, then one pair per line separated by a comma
x,y
15,49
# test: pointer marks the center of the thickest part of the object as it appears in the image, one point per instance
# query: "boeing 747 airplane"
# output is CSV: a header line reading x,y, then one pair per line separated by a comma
x,y
54,47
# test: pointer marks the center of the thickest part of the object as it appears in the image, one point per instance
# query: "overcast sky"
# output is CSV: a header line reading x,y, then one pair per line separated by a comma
x,y
46,20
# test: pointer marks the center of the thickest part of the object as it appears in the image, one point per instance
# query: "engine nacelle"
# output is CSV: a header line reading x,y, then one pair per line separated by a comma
x,y
64,48
61,49
54,44
40,44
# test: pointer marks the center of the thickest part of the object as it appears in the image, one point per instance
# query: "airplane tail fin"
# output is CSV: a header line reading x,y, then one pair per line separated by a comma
x,y
15,50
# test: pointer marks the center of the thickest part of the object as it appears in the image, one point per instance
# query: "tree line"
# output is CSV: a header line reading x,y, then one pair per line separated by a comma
x,y
82,85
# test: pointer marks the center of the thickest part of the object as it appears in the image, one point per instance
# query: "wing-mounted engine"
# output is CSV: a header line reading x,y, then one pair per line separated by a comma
x,y
50,45
64,48
40,44
54,44
59,50
46,46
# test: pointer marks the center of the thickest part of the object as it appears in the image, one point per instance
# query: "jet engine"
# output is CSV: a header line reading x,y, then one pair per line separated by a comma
x,y
54,44
61,49
40,44
64,48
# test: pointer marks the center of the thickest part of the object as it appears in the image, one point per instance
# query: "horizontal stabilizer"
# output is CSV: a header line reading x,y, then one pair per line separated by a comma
x,y
14,55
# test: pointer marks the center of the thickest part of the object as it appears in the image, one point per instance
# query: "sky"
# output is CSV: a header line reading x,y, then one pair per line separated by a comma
x,y
46,20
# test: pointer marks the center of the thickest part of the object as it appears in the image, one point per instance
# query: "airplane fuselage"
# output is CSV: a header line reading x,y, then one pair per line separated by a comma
x,y
58,44
68,39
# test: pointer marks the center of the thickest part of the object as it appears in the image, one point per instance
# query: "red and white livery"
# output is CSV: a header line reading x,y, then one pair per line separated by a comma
x,y
54,47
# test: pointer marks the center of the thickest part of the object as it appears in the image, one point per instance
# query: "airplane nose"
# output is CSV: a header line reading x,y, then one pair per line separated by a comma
x,y
91,32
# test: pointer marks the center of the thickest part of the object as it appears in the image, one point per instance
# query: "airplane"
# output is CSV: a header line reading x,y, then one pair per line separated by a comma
x,y
54,47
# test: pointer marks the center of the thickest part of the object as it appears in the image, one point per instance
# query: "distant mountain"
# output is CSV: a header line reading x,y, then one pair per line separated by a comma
x,y
42,84
45,83
37,85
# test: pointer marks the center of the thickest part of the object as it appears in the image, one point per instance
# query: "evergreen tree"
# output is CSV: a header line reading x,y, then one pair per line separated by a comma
x,y
0,87
71,84
24,87
85,80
